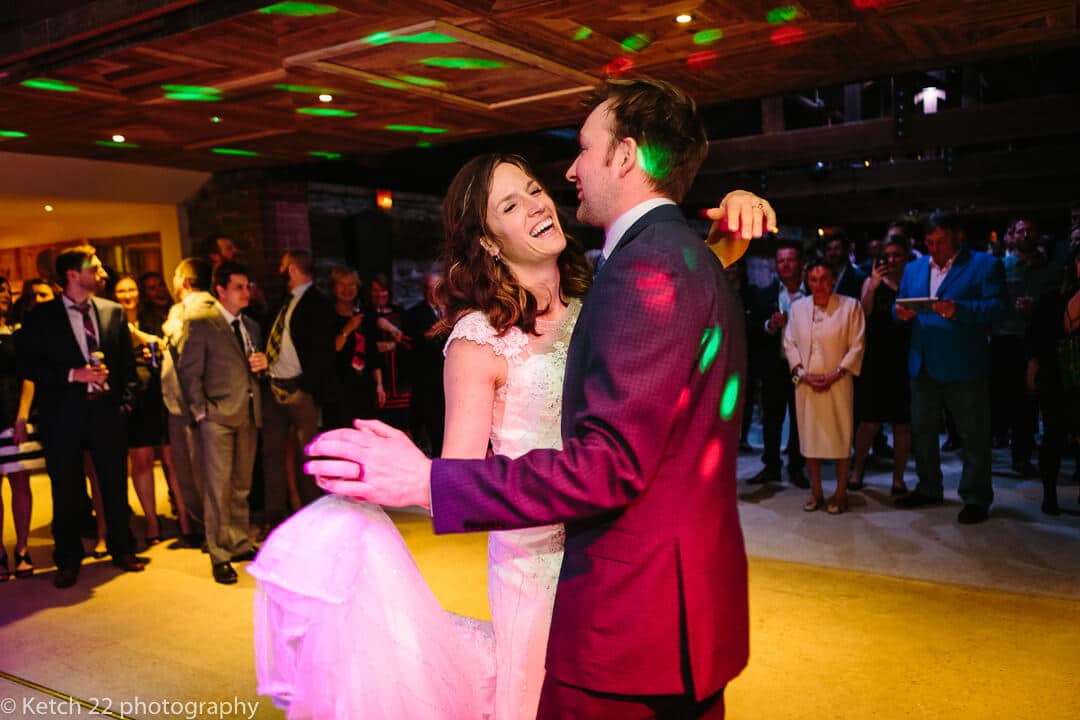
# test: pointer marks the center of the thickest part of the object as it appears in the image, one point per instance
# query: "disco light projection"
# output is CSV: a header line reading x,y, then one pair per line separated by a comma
x,y
420,81
298,9
636,42
710,459
655,161
618,66
462,63
325,112
192,93
392,84
114,144
305,89
710,347
656,291
689,256
583,33
787,36
782,14
683,402
423,129
730,399
325,155
12,134
192,97
49,84
708,37
424,144
422,38
235,151
702,60
869,4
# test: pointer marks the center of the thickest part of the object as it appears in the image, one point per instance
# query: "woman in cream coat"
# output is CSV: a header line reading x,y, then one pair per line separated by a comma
x,y
824,345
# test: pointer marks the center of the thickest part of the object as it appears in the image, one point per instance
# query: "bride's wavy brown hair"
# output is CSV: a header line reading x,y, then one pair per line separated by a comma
x,y
474,280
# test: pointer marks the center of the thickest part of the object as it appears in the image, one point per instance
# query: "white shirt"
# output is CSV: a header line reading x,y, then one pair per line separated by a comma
x,y
288,362
75,317
937,274
614,234
229,317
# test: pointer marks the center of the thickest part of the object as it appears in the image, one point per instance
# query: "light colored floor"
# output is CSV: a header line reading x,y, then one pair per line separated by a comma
x,y
840,629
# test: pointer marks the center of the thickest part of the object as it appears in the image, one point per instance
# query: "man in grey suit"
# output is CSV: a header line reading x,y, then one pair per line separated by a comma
x,y
218,366
191,288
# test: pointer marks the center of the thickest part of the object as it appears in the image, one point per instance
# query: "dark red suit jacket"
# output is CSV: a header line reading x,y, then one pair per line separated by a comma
x,y
652,597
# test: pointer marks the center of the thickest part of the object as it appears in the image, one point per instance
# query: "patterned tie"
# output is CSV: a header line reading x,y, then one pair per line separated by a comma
x,y
88,327
273,342
600,260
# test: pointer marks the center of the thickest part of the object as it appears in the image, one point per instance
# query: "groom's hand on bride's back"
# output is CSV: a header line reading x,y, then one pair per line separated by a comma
x,y
372,462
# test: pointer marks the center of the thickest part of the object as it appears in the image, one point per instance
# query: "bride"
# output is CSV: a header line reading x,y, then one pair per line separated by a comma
x,y
345,625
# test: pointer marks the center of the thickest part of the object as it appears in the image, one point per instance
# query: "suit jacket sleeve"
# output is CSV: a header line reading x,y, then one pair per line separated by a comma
x,y
634,375
193,349
991,302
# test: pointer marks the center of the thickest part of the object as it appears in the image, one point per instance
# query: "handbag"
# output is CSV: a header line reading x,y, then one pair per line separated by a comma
x,y
1068,353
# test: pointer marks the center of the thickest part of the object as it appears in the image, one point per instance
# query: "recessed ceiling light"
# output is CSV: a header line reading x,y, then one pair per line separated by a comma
x,y
326,98
118,138
683,19
49,208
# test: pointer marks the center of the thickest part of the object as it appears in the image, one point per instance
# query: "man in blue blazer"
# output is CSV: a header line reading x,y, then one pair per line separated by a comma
x,y
949,361
651,607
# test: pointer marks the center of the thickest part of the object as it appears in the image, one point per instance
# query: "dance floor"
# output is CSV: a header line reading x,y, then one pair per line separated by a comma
x,y
827,642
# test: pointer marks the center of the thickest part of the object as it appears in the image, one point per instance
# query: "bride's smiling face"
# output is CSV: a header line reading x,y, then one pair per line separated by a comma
x,y
522,217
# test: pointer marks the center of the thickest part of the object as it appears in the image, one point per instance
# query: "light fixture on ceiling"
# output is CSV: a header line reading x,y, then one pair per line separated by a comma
x,y
821,232
866,163
326,98
215,119
684,18
49,208
118,138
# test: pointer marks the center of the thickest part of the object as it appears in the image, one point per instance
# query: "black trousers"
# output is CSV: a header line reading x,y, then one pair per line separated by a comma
x,y
100,427
1013,410
778,400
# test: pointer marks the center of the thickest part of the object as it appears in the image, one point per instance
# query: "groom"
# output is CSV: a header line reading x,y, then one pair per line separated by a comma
x,y
650,616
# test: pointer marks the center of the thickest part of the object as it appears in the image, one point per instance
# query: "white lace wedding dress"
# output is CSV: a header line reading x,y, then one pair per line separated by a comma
x,y
346,628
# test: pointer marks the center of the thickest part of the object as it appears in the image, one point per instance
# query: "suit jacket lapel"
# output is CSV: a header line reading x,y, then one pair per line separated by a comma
x,y
955,270
223,326
664,213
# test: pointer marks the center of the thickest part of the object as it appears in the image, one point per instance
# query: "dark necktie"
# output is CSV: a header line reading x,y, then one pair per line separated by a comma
x,y
600,260
277,331
239,335
88,327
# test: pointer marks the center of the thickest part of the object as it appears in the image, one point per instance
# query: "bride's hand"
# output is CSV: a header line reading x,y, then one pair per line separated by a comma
x,y
372,462
740,217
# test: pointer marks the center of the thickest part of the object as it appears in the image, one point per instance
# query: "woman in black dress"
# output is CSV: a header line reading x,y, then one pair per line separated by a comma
x,y
354,364
883,390
382,329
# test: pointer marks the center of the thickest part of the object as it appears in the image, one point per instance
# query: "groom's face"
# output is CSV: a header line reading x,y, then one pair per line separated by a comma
x,y
592,170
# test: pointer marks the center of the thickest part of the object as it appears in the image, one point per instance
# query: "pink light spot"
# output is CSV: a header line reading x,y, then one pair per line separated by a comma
x,y
702,60
787,35
869,4
710,459
656,291
618,66
683,402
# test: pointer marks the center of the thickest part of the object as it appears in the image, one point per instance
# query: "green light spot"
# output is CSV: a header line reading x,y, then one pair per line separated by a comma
x,y
388,84
423,144
110,143
654,160
782,14
424,129
234,151
12,134
325,112
47,84
730,399
421,81
423,38
298,9
215,119
306,89
636,42
462,63
325,155
192,97
710,347
198,89
583,33
689,256
707,37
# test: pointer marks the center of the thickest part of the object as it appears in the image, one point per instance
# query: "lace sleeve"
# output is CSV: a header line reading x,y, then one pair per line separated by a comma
x,y
475,327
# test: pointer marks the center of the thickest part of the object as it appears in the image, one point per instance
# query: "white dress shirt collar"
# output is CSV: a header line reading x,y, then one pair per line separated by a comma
x,y
618,228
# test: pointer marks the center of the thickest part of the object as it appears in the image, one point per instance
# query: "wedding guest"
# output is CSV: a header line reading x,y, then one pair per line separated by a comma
x,y
383,327
354,364
428,404
824,345
155,302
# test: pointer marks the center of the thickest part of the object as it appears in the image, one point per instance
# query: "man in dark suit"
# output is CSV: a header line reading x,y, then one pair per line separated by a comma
x,y
78,353
949,362
428,403
300,353
218,362
838,254
651,611
768,319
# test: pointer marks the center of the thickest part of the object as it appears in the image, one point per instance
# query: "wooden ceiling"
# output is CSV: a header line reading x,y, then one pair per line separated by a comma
x,y
260,73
